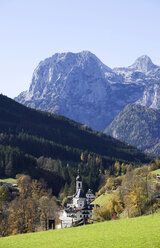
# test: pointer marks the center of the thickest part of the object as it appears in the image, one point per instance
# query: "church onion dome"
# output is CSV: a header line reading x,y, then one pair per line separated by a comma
x,y
78,178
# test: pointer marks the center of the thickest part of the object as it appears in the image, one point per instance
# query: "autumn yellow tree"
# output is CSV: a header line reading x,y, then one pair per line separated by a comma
x,y
23,216
137,192
117,167
48,209
32,205
4,195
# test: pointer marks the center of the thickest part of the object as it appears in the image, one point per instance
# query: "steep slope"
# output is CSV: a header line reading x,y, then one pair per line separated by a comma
x,y
151,96
81,87
142,232
138,126
53,147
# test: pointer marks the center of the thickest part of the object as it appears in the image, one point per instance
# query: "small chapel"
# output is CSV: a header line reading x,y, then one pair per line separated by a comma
x,y
78,207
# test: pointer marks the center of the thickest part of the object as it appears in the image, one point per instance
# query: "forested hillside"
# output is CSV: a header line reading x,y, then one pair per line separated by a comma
x,y
139,126
53,147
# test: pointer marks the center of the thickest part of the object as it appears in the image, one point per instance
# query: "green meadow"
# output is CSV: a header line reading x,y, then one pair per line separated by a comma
x,y
156,171
103,199
141,232
9,180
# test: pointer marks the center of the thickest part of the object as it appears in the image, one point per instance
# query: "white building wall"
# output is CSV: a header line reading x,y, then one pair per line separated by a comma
x,y
81,202
75,202
78,185
65,220
90,196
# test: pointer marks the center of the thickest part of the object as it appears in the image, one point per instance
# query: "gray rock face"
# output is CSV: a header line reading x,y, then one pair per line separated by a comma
x,y
81,87
151,97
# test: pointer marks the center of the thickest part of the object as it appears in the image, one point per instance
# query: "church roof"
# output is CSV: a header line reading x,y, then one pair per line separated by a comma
x,y
89,191
76,209
79,194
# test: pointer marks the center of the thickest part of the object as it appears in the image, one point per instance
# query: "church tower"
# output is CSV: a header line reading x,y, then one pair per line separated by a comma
x,y
78,182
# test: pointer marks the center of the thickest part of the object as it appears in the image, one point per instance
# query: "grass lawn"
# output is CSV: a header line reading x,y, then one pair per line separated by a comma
x,y
141,232
9,180
103,199
156,172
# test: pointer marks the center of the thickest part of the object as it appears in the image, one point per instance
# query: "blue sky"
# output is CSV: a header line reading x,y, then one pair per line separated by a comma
x,y
117,31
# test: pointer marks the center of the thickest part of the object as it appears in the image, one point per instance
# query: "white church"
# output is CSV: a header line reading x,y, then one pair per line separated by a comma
x,y
79,207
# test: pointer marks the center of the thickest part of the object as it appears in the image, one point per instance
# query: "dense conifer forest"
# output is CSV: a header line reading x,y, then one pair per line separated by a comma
x,y
53,147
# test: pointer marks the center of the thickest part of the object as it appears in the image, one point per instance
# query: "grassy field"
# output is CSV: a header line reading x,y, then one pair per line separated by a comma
x,y
156,172
103,199
9,180
141,232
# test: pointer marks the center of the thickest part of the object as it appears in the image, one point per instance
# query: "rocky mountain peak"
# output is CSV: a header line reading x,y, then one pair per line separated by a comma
x,y
69,59
70,84
143,64
56,72
81,87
